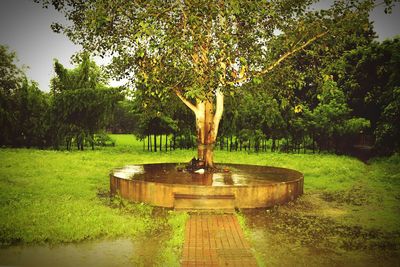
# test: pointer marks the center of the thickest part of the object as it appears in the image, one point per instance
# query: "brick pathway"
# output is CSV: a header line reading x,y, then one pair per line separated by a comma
x,y
215,240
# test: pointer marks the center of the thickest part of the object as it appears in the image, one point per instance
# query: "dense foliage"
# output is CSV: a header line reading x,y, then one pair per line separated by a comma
x,y
23,107
329,87
329,113
203,51
78,106
354,105
370,79
81,103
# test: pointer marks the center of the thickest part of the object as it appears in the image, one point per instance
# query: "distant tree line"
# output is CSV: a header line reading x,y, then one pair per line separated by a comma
x,y
78,106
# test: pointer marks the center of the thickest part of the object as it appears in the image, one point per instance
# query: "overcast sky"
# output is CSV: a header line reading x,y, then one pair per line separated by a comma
x,y
25,29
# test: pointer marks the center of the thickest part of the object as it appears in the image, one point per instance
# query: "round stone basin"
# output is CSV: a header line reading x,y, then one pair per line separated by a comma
x,y
234,186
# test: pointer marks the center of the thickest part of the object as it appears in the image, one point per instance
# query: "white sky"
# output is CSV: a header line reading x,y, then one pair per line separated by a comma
x,y
25,29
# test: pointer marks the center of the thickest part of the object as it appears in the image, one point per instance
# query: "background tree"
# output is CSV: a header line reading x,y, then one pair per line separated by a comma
x,y
370,78
10,80
331,119
23,107
81,103
162,114
124,120
31,113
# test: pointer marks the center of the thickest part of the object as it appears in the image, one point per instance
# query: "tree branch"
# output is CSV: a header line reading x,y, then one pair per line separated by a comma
x,y
289,53
186,102
219,109
282,58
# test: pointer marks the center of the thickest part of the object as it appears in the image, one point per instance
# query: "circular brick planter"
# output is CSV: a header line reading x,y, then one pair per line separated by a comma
x,y
242,186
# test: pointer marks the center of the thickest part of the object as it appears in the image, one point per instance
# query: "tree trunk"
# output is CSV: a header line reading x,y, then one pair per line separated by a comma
x,y
205,133
92,141
207,124
69,144
155,143
151,143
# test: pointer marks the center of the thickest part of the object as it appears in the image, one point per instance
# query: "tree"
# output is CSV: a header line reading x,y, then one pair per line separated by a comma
x,y
159,114
10,80
23,107
31,113
370,78
202,50
81,103
124,120
331,119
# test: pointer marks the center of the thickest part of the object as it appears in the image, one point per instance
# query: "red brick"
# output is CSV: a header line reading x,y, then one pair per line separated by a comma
x,y
215,240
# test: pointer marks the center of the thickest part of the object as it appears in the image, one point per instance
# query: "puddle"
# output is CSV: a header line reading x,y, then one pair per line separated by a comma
x,y
119,252
234,174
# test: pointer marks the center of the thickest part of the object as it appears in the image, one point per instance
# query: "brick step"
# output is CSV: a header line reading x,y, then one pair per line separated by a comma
x,y
193,196
204,202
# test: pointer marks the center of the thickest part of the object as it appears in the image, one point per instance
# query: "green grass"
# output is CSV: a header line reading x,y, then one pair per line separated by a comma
x,y
58,196
52,196
348,216
172,250
126,141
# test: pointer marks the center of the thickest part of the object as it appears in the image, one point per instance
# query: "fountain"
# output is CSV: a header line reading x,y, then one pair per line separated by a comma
x,y
172,185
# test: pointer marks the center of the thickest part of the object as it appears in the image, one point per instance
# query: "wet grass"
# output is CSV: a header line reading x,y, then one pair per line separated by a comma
x,y
355,222
53,197
349,212
172,247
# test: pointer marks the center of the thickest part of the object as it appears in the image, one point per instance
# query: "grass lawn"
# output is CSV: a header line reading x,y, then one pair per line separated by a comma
x,y
349,214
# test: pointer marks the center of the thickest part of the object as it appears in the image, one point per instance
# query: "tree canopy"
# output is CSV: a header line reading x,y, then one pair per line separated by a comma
x,y
194,47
